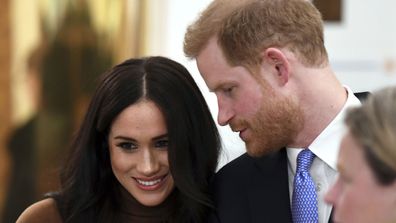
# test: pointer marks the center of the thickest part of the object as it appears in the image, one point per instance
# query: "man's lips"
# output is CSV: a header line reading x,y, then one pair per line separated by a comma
x,y
242,132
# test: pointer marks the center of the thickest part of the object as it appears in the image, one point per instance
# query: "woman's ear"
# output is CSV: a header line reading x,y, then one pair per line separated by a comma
x,y
279,62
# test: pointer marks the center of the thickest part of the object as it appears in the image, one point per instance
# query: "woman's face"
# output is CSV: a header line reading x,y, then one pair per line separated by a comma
x,y
356,195
138,144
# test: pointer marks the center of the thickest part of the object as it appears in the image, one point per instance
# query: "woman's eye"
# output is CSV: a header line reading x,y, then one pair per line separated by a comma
x,y
345,179
127,145
162,143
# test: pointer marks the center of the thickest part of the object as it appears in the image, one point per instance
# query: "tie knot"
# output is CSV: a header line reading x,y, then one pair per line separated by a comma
x,y
304,160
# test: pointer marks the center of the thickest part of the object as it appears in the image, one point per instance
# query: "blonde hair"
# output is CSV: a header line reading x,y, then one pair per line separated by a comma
x,y
246,27
373,125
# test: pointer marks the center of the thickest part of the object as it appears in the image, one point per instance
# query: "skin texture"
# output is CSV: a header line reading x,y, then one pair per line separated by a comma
x,y
356,195
138,152
266,119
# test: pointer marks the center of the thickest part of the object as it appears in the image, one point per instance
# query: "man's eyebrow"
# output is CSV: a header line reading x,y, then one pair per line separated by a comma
x,y
222,85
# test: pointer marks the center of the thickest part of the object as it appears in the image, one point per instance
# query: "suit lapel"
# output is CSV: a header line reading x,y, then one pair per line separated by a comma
x,y
269,193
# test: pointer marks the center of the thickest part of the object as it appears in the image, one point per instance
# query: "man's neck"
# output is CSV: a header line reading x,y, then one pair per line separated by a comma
x,y
321,99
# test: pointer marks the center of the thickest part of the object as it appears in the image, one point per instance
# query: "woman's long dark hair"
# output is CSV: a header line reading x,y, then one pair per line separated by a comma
x,y
88,187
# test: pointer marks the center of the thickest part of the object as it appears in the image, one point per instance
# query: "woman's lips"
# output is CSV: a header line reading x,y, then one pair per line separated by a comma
x,y
150,184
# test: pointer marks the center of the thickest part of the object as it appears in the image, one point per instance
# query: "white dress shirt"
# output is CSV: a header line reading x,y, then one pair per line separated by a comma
x,y
324,167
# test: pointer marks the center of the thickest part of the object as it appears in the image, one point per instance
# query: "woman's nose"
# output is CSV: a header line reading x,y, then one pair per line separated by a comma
x,y
332,194
148,164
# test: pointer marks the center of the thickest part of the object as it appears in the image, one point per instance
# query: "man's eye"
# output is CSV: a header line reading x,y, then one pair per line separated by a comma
x,y
228,90
162,143
127,146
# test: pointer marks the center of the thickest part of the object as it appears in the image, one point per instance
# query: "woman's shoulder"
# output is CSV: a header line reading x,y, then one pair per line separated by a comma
x,y
43,211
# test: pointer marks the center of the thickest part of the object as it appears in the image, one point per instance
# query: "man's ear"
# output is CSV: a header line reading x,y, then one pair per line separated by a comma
x,y
276,59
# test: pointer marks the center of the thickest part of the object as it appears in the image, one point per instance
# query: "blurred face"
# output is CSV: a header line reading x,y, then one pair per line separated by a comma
x,y
266,121
356,195
138,146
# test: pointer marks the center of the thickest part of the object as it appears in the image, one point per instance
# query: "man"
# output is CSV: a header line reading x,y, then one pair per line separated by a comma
x,y
266,62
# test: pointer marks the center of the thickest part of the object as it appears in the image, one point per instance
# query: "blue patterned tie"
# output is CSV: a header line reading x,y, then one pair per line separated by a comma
x,y
304,203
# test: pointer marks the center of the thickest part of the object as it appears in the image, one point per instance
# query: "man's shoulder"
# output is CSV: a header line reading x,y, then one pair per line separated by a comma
x,y
246,165
239,165
253,189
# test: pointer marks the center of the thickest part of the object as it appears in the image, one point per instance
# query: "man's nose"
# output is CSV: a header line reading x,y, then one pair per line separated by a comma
x,y
225,112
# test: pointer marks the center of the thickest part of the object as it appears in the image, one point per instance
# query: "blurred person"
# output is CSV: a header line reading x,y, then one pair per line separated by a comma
x,y
267,64
365,190
75,57
145,152
22,145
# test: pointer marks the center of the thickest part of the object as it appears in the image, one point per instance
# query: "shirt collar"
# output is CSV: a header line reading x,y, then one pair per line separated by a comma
x,y
326,145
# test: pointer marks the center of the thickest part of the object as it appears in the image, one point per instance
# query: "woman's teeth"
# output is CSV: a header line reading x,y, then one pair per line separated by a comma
x,y
148,183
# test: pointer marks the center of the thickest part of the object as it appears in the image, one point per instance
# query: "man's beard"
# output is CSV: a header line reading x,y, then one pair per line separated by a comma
x,y
273,127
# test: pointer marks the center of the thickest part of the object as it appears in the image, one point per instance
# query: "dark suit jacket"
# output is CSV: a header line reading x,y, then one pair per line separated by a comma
x,y
249,190
253,190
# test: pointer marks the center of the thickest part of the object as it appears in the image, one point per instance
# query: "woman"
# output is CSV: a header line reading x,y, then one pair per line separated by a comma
x,y
366,188
146,151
